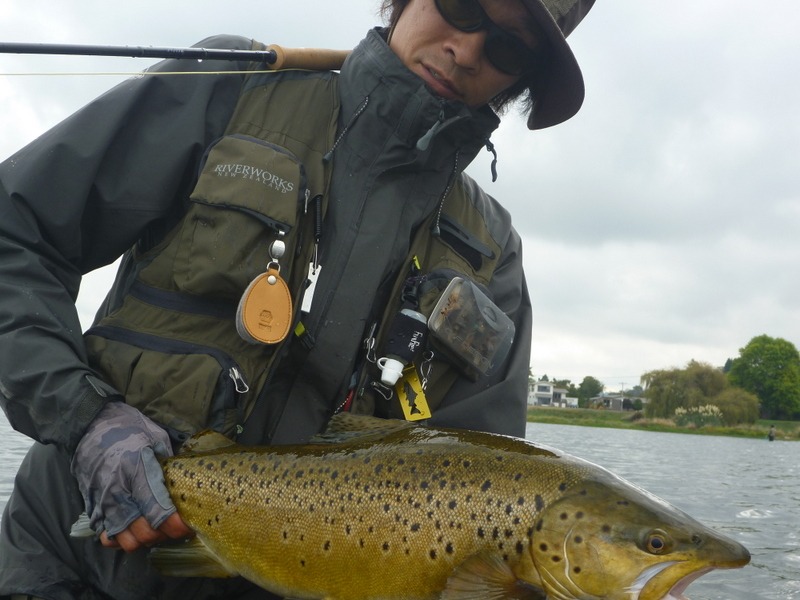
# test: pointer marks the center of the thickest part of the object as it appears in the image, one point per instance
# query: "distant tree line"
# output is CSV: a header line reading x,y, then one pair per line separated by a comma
x,y
762,382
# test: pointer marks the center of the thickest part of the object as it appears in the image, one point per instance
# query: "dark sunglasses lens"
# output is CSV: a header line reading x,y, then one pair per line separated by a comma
x,y
466,15
507,53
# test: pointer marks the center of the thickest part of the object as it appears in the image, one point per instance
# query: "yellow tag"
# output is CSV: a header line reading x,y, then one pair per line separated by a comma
x,y
412,396
265,310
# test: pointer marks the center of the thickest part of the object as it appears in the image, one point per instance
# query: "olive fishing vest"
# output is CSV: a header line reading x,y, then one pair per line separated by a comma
x,y
172,348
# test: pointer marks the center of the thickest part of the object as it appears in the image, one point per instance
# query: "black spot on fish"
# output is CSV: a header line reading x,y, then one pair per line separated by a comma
x,y
486,485
576,570
433,554
449,548
253,468
562,486
579,514
223,464
606,529
520,501
563,516
327,545
518,476
378,469
556,558
543,547
520,548
451,505
578,539
385,546
509,509
302,563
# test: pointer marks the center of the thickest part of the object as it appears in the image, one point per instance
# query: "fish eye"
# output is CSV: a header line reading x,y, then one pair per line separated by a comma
x,y
657,542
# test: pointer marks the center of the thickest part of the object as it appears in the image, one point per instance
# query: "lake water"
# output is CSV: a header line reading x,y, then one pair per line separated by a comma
x,y
748,489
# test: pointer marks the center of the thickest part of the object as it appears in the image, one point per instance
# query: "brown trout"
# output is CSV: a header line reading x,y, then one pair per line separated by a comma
x,y
388,510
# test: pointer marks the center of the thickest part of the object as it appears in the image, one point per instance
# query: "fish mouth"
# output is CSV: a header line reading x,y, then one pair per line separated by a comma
x,y
655,582
676,593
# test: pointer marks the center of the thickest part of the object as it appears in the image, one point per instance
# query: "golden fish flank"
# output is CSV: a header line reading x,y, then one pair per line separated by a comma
x,y
398,511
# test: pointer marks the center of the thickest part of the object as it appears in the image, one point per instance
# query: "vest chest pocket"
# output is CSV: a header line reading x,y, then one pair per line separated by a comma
x,y
249,193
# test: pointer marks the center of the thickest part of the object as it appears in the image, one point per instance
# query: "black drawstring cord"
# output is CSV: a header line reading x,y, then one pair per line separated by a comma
x,y
490,148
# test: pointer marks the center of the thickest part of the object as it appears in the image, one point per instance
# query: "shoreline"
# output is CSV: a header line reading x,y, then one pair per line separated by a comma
x,y
610,419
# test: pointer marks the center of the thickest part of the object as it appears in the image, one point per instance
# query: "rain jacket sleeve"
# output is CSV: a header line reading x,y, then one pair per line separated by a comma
x,y
498,402
76,199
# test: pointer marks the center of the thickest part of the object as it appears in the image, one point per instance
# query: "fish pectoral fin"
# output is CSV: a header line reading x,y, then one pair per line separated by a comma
x,y
191,558
344,427
206,441
488,577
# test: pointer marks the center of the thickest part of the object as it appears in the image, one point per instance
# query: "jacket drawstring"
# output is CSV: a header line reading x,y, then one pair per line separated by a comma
x,y
435,230
490,148
361,108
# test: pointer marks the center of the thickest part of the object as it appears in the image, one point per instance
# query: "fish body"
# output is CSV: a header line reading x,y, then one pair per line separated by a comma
x,y
387,510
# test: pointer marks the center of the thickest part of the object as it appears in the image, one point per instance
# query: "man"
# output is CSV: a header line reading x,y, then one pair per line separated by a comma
x,y
229,195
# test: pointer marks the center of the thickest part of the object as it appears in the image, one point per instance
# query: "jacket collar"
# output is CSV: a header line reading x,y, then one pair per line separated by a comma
x,y
405,105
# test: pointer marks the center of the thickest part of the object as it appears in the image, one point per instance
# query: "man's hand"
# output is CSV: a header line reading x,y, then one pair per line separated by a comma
x,y
117,469
139,534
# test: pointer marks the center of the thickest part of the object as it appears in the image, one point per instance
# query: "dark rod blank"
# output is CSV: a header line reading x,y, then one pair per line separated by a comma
x,y
267,56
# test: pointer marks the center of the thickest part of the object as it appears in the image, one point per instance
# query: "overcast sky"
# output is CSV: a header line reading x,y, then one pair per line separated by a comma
x,y
660,224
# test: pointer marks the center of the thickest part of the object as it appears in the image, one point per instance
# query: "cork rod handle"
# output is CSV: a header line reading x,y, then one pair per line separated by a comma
x,y
316,59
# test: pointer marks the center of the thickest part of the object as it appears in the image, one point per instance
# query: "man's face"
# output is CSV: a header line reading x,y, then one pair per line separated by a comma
x,y
452,62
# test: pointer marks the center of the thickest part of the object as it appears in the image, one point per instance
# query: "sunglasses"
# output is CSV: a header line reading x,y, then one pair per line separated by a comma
x,y
506,52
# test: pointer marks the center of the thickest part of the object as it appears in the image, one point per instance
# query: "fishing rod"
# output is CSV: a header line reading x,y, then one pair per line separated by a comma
x,y
275,57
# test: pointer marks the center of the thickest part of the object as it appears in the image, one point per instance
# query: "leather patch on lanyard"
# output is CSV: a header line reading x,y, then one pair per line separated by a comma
x,y
265,309
412,396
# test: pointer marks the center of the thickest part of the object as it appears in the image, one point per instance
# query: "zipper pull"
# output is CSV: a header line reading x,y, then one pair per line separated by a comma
x,y
425,140
238,381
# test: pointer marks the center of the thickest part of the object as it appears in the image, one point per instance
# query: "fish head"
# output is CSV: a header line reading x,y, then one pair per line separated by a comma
x,y
612,540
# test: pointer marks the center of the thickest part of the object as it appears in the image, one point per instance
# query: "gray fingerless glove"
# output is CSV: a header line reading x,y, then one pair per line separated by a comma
x,y
117,470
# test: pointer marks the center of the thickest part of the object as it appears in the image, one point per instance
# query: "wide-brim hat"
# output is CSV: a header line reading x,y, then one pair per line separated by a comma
x,y
558,95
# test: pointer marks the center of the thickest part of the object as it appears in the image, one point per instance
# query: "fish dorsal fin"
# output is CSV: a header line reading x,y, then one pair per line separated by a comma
x,y
206,441
188,559
488,577
346,426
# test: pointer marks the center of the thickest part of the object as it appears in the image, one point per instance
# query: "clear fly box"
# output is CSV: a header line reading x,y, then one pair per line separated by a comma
x,y
471,327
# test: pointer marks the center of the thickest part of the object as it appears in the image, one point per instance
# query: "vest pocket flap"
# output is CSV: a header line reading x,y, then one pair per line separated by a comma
x,y
254,176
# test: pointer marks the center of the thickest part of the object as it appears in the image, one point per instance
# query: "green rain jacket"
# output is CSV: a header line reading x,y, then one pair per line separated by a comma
x,y
115,178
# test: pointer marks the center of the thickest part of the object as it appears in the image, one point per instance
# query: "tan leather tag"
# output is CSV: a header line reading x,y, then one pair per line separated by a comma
x,y
265,310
